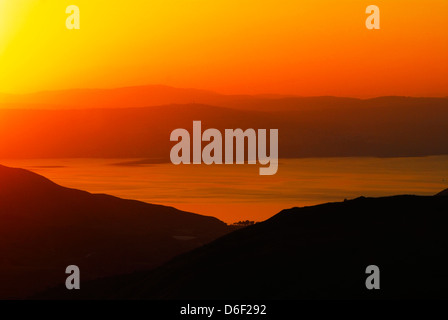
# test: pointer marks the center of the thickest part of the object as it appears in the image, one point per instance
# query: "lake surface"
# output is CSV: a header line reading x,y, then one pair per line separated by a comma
x,y
237,192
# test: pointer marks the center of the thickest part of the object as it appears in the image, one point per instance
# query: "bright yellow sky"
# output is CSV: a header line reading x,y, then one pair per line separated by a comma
x,y
305,47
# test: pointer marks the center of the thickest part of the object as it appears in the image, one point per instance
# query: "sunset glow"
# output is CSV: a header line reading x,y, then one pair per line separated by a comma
x,y
296,47
228,150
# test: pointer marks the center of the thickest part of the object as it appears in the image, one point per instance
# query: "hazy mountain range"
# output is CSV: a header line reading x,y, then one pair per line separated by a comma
x,y
136,122
138,96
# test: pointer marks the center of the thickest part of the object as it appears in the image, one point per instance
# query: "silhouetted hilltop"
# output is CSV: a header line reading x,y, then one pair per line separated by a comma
x,y
312,252
443,193
45,227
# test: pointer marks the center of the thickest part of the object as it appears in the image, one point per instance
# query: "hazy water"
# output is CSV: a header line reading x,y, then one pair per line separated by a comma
x,y
237,192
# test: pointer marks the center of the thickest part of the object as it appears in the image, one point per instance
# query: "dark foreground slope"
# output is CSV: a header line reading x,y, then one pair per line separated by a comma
x,y
45,227
443,193
312,252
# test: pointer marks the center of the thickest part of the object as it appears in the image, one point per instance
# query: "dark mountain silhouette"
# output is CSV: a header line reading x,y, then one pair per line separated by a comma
x,y
308,127
312,252
443,193
45,227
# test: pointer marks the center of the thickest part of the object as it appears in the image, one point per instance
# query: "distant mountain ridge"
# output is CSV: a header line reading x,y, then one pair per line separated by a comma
x,y
125,97
45,227
308,127
157,95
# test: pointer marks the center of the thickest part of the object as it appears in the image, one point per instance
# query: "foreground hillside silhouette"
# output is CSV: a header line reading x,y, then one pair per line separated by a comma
x,y
45,227
311,252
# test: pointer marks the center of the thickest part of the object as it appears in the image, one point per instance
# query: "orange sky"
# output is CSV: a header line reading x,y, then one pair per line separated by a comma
x,y
303,47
